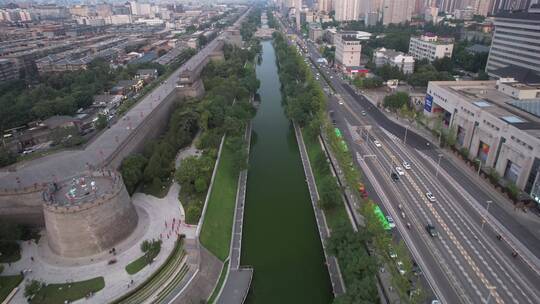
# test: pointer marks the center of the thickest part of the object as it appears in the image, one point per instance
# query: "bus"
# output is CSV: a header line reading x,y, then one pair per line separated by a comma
x,y
380,215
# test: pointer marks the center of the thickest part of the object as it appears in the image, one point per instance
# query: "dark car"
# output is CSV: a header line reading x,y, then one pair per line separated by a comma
x,y
394,176
431,230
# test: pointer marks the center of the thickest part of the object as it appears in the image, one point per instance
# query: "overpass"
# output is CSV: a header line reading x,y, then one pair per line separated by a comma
x,y
21,184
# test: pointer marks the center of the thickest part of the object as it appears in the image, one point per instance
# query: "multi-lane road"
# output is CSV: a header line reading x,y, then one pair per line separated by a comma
x,y
466,263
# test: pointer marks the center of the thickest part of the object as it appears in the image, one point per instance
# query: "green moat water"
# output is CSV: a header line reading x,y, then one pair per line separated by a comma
x,y
280,237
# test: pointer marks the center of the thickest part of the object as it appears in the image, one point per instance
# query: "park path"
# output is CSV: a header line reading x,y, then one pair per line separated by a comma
x,y
338,286
39,263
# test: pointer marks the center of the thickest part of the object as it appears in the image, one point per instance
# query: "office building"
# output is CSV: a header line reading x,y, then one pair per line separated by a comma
x,y
348,50
516,42
404,62
347,10
430,47
397,11
497,122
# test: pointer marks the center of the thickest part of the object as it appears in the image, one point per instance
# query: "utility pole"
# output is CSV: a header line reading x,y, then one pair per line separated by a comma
x,y
405,137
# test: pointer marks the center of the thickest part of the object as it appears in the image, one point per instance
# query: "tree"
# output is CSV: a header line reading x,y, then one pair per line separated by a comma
x,y
32,288
101,122
132,169
330,195
6,157
444,64
396,100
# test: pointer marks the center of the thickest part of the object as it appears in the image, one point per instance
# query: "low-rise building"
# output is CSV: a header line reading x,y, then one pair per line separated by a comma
x,y
404,62
497,122
430,47
348,50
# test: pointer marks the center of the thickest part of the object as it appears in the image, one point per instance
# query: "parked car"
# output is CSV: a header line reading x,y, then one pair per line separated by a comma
x,y
400,267
391,222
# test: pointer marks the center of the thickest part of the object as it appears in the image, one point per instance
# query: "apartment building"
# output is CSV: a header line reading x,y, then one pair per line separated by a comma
x,y
516,42
430,47
347,10
404,62
497,122
397,11
348,49
8,70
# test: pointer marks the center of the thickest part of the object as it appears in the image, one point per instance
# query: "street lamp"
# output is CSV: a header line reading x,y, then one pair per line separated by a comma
x,y
438,164
487,207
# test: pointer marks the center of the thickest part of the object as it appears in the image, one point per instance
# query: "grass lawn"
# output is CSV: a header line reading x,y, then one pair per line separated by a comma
x,y
58,293
338,215
138,264
217,225
222,276
7,283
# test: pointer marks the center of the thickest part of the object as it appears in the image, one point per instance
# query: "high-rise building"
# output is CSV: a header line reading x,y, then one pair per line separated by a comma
x,y
325,6
397,11
516,41
510,5
347,10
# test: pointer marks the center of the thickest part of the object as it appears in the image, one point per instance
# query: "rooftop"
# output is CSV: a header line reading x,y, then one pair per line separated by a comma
x,y
522,114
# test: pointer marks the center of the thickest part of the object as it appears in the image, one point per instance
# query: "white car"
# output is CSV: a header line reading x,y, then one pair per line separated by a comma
x,y
400,267
430,197
400,171
406,165
391,222
363,113
377,143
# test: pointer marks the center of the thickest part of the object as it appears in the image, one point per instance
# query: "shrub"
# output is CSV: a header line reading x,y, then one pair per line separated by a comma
x,y
493,176
513,191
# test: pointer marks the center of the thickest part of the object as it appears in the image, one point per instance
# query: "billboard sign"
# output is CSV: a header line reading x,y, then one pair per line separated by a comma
x,y
428,104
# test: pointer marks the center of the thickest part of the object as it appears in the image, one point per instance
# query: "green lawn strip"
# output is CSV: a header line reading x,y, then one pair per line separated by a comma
x,y
140,263
217,225
337,215
222,276
7,284
59,293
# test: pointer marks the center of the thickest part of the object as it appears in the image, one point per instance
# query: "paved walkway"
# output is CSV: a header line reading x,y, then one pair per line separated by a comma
x,y
200,287
338,285
153,213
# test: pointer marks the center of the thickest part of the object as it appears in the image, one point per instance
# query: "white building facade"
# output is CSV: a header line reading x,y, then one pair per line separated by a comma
x,y
404,62
495,122
430,47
